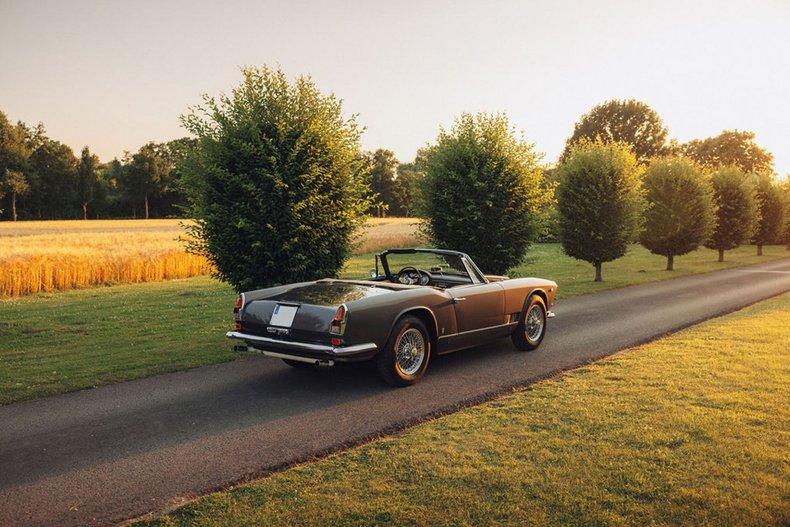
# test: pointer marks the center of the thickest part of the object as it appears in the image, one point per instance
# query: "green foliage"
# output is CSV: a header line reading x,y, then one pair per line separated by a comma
x,y
730,148
770,206
626,121
53,179
147,171
480,192
276,181
149,181
735,207
391,184
548,215
382,170
170,199
599,201
88,179
49,182
15,183
13,146
14,153
404,190
679,213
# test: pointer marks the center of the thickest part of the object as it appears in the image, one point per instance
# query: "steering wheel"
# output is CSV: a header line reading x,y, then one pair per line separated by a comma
x,y
410,275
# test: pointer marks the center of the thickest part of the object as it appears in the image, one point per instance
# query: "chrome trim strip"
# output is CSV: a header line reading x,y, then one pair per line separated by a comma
x,y
356,348
476,330
343,350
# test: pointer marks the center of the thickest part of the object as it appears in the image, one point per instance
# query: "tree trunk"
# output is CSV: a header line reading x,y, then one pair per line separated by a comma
x,y
759,250
721,255
146,206
670,262
13,206
84,211
598,277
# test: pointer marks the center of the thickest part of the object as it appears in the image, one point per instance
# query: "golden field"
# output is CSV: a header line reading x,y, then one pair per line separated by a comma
x,y
46,256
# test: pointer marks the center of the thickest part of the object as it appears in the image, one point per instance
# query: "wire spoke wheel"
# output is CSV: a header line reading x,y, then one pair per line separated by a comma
x,y
534,322
410,351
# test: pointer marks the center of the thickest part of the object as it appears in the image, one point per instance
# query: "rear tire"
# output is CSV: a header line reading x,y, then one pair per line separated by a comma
x,y
531,326
404,359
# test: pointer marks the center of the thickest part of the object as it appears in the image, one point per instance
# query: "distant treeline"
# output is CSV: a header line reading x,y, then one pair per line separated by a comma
x,y
42,178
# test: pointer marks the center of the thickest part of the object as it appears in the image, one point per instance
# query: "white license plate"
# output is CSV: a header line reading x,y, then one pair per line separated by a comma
x,y
283,316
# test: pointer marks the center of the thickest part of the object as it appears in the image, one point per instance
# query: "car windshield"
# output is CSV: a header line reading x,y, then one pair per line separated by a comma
x,y
444,264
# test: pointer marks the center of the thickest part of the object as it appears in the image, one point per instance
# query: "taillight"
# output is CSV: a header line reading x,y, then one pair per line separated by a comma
x,y
238,306
338,324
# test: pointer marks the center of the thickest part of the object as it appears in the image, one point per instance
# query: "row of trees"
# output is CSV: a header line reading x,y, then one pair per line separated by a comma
x,y
41,178
483,195
720,191
671,205
278,184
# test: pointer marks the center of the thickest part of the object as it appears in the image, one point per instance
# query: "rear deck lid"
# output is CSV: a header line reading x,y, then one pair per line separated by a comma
x,y
329,293
303,313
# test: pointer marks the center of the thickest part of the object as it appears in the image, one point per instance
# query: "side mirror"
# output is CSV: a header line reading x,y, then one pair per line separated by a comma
x,y
373,273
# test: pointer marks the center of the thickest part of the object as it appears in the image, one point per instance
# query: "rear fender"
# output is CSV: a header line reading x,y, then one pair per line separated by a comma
x,y
428,318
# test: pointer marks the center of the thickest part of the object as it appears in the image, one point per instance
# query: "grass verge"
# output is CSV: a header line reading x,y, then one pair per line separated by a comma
x,y
54,343
638,266
692,429
78,339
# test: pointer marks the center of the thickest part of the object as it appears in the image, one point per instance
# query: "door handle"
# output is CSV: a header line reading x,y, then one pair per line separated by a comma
x,y
457,299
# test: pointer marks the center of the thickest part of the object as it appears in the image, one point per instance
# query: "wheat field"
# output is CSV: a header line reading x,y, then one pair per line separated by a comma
x,y
47,256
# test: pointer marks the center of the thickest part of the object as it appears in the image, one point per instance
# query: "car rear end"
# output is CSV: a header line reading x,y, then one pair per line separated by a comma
x,y
306,324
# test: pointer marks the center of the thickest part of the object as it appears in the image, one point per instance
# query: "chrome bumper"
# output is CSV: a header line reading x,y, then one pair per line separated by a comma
x,y
305,347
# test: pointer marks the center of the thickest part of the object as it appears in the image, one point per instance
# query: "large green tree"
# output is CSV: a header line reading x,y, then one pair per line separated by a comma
x,y
627,121
53,180
736,211
770,210
16,185
382,171
599,200
480,191
171,197
276,181
88,179
730,148
14,153
147,170
679,213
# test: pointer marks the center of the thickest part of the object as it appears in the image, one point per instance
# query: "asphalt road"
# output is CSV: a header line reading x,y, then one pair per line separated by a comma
x,y
104,455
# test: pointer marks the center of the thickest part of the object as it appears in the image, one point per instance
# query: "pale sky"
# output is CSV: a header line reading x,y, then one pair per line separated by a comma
x,y
115,75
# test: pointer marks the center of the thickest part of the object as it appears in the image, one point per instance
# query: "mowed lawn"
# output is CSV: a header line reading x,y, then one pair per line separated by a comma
x,y
53,343
693,429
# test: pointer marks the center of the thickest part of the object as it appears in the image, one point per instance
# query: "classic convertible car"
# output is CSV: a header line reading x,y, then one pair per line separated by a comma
x,y
426,302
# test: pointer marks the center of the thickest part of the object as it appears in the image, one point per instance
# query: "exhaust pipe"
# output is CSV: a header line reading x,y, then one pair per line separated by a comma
x,y
314,362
